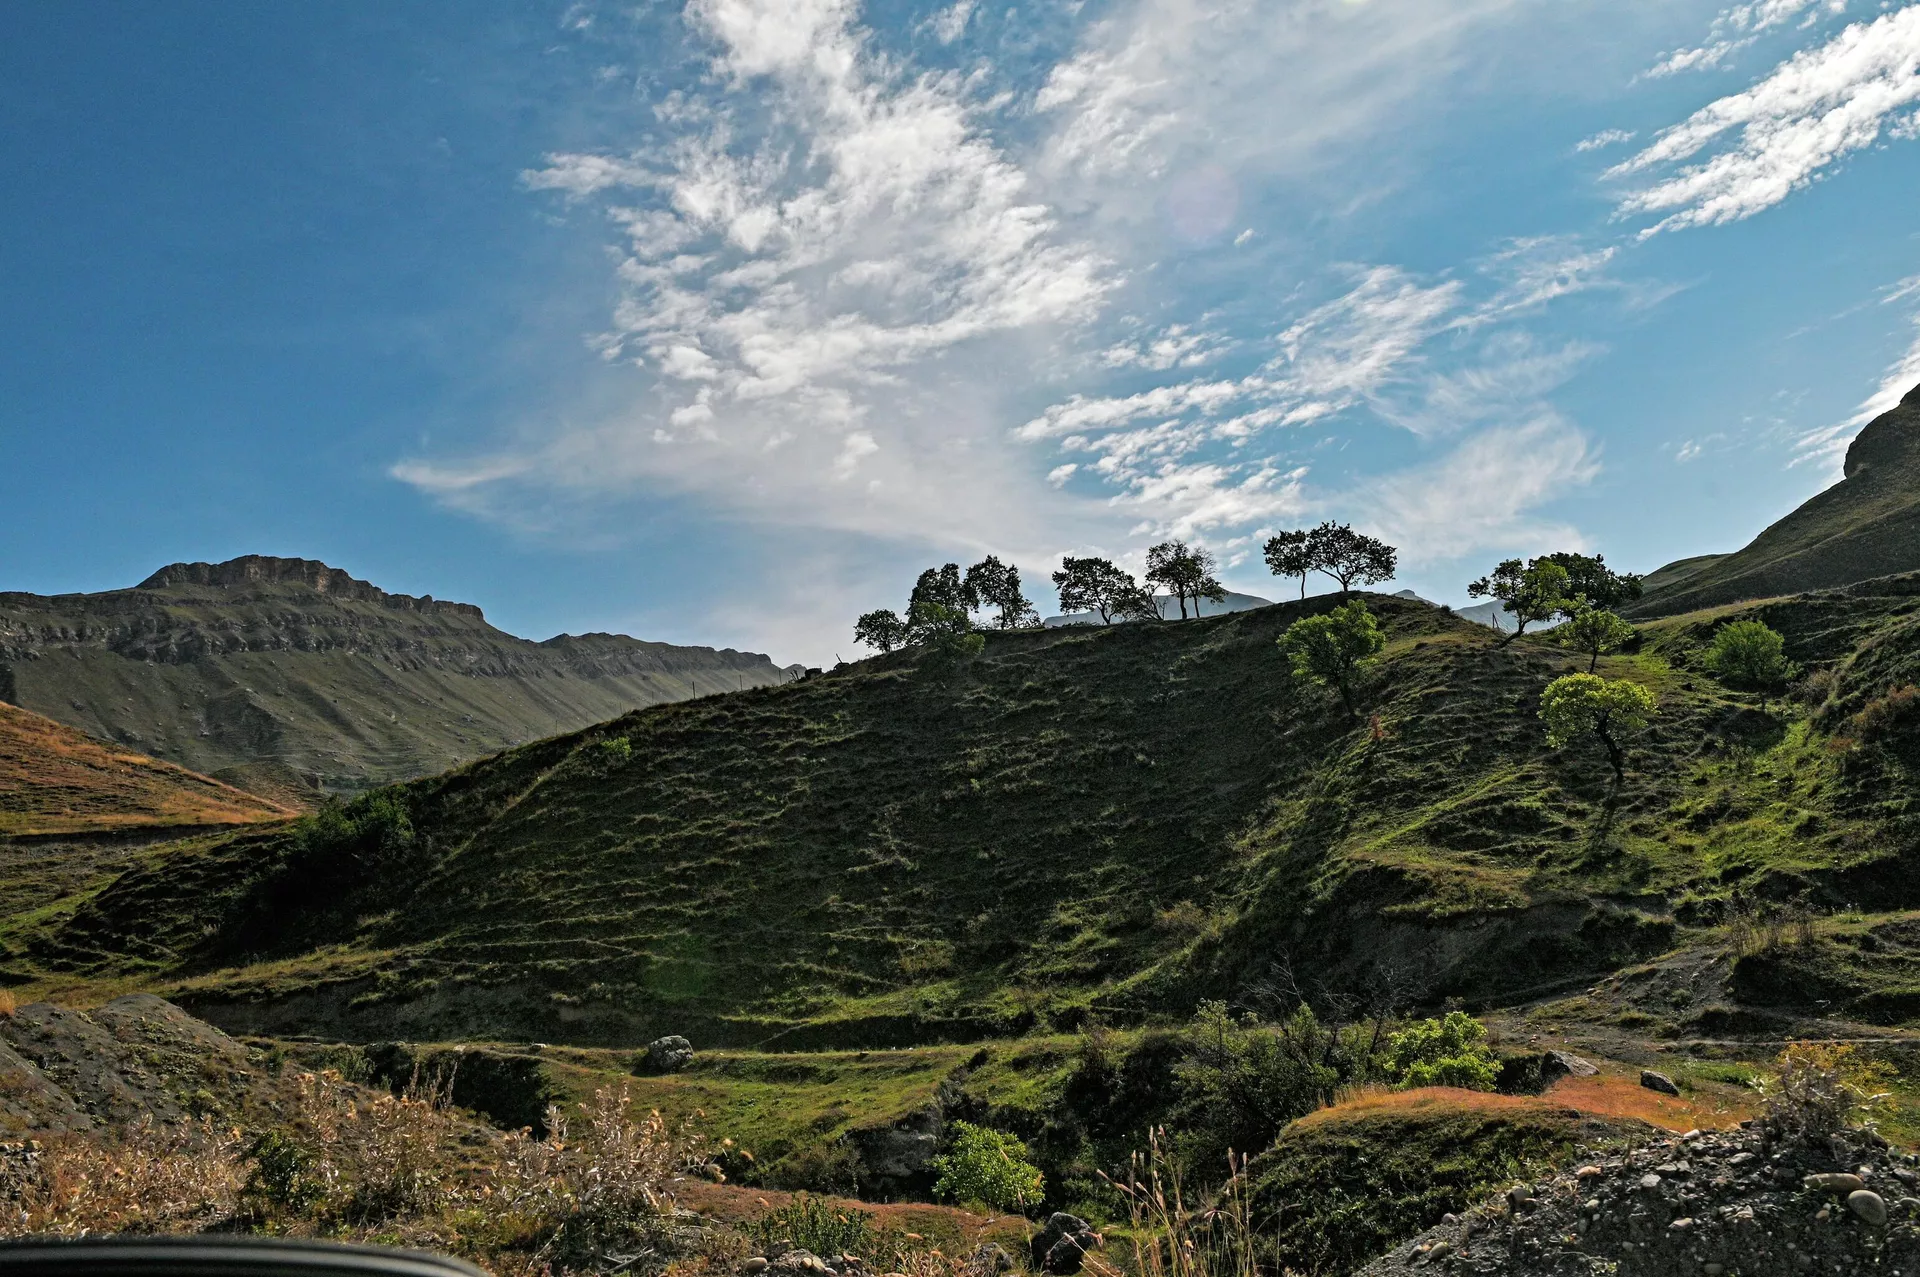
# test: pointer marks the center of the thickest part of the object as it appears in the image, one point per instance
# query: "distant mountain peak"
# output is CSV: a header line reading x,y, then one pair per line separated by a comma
x,y
267,570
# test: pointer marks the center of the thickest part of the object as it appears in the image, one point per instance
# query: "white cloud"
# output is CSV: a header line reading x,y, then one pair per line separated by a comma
x,y
1605,138
1814,109
950,23
1828,445
1482,495
1178,346
818,232
1736,28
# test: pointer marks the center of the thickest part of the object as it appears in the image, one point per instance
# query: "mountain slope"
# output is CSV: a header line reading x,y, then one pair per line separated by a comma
x,y
291,663
53,780
1865,526
1124,818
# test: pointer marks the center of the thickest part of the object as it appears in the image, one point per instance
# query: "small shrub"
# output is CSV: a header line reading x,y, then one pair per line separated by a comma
x,y
1824,1087
1885,716
989,1167
812,1225
1751,655
283,1179
614,751
1242,1081
1449,1052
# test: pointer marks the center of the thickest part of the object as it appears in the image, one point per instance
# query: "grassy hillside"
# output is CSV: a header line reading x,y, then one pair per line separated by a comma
x,y
1120,819
288,666
53,780
1865,526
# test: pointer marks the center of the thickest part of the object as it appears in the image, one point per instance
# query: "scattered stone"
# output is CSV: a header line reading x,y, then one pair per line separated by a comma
x,y
1571,1065
1835,1182
1061,1247
1867,1205
1649,1181
1658,1082
669,1054
992,1258
755,1264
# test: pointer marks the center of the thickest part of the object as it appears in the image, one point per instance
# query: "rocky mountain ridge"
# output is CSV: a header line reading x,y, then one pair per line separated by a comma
x,y
298,665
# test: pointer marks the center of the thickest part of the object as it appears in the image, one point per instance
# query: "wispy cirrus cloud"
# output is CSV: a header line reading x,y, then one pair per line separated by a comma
x,y
1740,26
1827,446
1775,138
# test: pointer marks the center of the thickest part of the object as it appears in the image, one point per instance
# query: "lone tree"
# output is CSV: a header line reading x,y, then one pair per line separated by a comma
x,y
1596,632
1612,710
1290,554
1589,578
996,585
1100,587
1186,572
882,630
1751,655
1350,558
1531,592
1335,648
945,586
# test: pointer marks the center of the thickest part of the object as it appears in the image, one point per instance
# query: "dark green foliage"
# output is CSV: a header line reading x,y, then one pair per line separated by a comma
x,y
1531,592
1335,550
283,1177
1589,578
1099,587
1332,1194
997,586
1241,1081
1291,554
880,630
947,635
1186,572
946,587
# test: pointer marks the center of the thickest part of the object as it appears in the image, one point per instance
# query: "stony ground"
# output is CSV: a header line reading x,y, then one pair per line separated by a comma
x,y
1741,1203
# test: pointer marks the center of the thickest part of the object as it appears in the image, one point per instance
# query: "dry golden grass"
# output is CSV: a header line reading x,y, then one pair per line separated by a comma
x,y
1608,1095
53,780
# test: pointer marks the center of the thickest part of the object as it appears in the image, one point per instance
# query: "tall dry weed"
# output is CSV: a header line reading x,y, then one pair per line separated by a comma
x,y
1175,1237
149,1178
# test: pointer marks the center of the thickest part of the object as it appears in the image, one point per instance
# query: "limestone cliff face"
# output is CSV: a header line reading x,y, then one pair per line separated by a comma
x,y
295,663
1865,526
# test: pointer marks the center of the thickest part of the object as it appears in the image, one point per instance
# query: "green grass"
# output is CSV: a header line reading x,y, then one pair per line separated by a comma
x,y
1116,821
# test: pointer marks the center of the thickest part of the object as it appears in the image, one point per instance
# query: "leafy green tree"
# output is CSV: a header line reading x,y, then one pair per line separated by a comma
x,y
1242,1081
1350,558
1335,648
946,632
996,585
1611,710
1531,592
1589,578
946,587
1290,554
1186,572
989,1167
1750,655
1101,587
1596,632
1449,1052
882,630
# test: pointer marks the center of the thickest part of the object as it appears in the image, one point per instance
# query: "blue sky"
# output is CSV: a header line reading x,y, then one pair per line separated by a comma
x,y
715,322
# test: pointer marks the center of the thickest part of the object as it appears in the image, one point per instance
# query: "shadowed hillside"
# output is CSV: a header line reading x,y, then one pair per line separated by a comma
x,y
292,671
1865,526
1126,818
